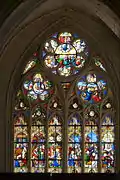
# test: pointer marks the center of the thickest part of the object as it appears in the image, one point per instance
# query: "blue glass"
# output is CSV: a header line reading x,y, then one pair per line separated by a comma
x,y
92,136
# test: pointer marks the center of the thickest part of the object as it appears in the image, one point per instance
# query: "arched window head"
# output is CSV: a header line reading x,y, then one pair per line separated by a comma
x,y
64,124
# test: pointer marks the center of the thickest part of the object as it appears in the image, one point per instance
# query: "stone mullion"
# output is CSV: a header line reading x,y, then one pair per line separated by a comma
x,y
99,140
65,136
83,143
46,143
29,141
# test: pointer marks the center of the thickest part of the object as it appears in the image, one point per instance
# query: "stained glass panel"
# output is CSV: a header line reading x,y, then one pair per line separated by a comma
x,y
20,150
51,45
20,134
55,157
54,134
107,145
79,45
75,120
91,122
92,89
107,157
38,151
20,157
74,166
37,88
21,140
98,62
20,166
91,134
19,120
20,102
55,144
54,151
51,62
91,141
108,120
107,134
65,37
74,152
91,157
64,123
74,134
56,120
31,63
91,117
74,144
37,134
38,113
55,166
38,139
64,54
37,166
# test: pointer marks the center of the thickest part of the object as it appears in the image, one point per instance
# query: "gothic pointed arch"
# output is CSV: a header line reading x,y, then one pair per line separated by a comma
x,y
31,25
64,117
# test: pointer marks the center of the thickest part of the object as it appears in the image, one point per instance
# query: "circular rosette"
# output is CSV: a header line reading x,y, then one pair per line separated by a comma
x,y
51,62
66,55
38,88
51,45
91,89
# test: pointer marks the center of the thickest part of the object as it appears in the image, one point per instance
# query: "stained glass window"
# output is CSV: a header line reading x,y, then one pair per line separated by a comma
x,y
63,115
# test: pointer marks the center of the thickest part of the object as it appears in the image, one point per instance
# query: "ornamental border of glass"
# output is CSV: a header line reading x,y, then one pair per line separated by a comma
x,y
72,134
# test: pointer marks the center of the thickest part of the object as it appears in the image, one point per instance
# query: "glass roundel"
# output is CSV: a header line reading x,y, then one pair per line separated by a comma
x,y
36,87
65,54
92,88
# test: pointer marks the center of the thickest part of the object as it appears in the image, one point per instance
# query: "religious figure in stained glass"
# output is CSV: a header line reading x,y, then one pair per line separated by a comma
x,y
66,125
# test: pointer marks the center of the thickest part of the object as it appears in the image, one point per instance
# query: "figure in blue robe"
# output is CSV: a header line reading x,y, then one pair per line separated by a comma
x,y
71,162
17,163
55,162
87,95
76,138
92,136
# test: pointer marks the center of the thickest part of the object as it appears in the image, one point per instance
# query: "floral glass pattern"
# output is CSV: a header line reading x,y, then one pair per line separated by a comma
x,y
65,54
37,88
91,88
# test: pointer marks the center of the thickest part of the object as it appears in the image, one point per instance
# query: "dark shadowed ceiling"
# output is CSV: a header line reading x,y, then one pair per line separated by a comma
x,y
7,6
